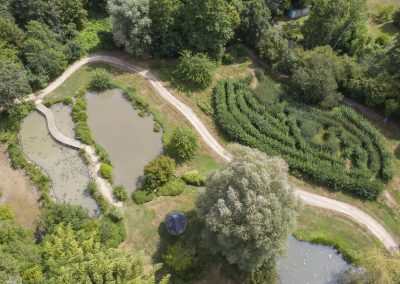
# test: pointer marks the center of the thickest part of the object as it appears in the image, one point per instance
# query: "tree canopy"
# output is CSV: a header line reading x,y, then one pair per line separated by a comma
x,y
249,209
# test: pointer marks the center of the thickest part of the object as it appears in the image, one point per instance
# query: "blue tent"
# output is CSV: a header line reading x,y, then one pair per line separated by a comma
x,y
175,223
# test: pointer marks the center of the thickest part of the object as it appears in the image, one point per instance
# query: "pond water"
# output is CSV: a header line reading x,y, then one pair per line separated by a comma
x,y
128,139
308,263
68,173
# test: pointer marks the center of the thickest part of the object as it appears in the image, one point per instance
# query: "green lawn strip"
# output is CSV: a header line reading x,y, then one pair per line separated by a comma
x,y
349,239
144,222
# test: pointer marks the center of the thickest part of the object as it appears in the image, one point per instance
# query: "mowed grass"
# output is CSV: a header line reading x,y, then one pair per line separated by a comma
x,y
145,223
315,225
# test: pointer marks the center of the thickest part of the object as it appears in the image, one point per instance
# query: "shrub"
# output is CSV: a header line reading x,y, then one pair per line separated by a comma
x,y
92,189
120,193
178,258
101,80
106,171
115,214
157,127
172,188
383,13
111,233
184,143
158,172
102,154
195,70
194,178
140,197
74,50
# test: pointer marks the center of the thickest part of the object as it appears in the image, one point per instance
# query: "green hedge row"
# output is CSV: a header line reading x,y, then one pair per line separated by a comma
x,y
275,130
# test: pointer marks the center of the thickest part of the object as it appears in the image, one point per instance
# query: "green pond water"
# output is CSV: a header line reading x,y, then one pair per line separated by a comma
x,y
68,173
128,139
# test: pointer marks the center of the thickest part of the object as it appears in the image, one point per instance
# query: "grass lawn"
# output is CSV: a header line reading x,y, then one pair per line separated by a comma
x,y
388,28
321,226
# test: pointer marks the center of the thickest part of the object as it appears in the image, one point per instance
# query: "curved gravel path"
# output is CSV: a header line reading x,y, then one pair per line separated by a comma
x,y
308,198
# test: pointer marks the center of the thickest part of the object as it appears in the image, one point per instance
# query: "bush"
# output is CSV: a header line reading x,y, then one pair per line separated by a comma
x,y
178,258
94,192
194,178
157,127
172,188
383,13
106,171
57,213
158,172
195,70
120,193
74,50
140,197
184,143
101,80
111,233
115,214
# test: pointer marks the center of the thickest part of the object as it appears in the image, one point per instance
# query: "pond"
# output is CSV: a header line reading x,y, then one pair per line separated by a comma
x,y
68,173
128,139
308,263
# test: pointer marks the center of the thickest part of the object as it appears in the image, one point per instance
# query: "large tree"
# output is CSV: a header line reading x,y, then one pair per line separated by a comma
x,y
208,25
166,27
249,209
340,23
13,82
43,54
131,25
254,19
57,14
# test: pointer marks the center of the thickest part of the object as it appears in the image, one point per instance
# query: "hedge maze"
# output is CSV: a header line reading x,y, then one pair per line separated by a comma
x,y
338,149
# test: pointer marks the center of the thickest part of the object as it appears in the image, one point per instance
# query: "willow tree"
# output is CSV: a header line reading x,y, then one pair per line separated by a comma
x,y
249,209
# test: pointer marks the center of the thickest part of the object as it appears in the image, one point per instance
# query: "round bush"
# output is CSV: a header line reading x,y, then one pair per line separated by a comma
x,y
195,70
140,197
106,171
194,178
158,172
120,193
101,80
184,143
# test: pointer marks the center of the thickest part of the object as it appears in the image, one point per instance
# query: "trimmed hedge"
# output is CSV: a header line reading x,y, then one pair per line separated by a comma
x,y
194,178
357,164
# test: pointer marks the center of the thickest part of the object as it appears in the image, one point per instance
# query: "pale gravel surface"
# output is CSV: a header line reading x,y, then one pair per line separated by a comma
x,y
308,198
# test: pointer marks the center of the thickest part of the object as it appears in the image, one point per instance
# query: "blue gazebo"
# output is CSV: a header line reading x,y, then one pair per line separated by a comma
x,y
175,223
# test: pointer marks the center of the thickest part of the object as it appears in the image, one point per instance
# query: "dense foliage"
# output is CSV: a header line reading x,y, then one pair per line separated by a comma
x,y
249,210
341,24
195,71
101,80
184,143
158,172
338,149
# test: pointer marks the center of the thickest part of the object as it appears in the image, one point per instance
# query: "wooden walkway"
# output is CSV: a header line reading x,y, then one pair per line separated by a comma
x,y
55,133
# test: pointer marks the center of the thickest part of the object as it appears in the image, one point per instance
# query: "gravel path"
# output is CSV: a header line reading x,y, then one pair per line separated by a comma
x,y
308,198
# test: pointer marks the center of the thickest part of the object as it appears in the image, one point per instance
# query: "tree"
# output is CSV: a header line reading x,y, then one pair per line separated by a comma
x,y
316,83
57,14
195,70
13,83
54,214
77,257
396,18
166,28
273,47
208,25
278,7
254,19
184,143
43,54
18,251
131,25
342,24
10,33
101,80
249,209
158,172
